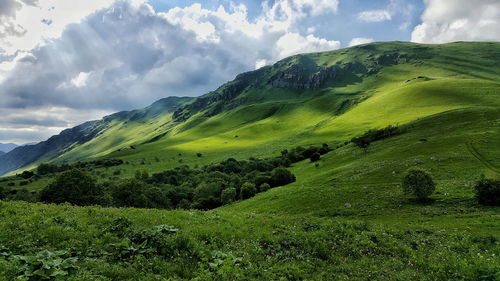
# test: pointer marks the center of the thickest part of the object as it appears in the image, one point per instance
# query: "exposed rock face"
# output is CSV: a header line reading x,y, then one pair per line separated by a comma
x,y
297,78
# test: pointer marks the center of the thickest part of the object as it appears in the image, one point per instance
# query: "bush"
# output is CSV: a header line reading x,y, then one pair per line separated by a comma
x,y
136,193
73,186
315,157
228,195
281,176
418,183
248,190
27,174
264,187
488,191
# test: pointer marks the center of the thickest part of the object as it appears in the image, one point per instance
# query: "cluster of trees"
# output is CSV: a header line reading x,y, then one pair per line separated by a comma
x,y
182,187
372,135
300,153
47,168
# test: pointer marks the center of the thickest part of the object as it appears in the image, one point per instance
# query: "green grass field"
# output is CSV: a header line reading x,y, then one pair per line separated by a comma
x,y
344,219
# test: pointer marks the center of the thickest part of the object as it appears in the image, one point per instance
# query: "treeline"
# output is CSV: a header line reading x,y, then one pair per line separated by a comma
x,y
184,187
46,168
372,135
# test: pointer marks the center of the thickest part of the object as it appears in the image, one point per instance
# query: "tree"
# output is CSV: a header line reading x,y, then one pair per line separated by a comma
x,y
418,183
361,142
264,187
73,186
247,190
136,193
488,191
281,176
315,157
228,195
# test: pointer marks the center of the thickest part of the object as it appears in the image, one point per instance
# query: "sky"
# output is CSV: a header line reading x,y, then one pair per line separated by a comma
x,y
65,62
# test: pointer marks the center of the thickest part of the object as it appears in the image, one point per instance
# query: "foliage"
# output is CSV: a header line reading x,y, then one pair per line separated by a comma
x,y
418,183
248,190
372,135
46,265
73,186
228,195
488,191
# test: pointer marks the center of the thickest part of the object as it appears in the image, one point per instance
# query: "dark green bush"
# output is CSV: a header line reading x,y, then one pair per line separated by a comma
x,y
264,187
315,157
418,183
488,191
228,195
73,186
248,190
281,176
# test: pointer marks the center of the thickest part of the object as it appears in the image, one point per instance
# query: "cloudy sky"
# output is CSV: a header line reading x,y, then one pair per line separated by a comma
x,y
64,62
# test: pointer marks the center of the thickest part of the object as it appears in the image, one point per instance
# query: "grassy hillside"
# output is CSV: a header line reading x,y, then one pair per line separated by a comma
x,y
345,218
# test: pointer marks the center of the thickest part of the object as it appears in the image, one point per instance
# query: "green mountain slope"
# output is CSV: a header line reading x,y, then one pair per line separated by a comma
x,y
311,98
345,218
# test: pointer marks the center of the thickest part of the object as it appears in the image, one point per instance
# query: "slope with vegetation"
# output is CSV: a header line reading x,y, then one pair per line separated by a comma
x,y
383,109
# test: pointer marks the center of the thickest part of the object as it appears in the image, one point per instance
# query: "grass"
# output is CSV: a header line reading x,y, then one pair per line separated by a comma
x,y
344,219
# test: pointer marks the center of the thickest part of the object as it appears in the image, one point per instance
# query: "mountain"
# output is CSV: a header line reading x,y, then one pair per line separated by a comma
x,y
6,147
68,139
345,211
303,99
2,153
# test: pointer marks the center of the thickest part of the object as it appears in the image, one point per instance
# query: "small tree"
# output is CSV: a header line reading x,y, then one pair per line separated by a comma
x,y
73,186
418,183
488,191
228,195
247,190
361,142
315,157
264,187
281,176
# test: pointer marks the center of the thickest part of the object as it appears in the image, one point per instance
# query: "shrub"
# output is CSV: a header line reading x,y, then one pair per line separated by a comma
x,y
228,195
281,176
418,183
136,193
73,186
488,191
247,190
315,157
264,187
27,174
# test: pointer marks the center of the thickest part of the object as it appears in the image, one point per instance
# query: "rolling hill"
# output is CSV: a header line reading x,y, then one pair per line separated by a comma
x,y
345,217
310,98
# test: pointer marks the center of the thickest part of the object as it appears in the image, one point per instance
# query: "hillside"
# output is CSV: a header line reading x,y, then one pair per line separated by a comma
x,y
70,139
303,99
344,218
6,147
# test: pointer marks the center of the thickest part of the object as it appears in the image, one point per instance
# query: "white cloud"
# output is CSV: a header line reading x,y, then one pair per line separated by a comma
x,y
80,80
374,16
458,20
294,43
127,55
260,63
32,17
359,41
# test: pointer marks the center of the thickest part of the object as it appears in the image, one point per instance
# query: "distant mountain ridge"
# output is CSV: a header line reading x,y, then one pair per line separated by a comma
x,y
303,98
70,138
7,147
